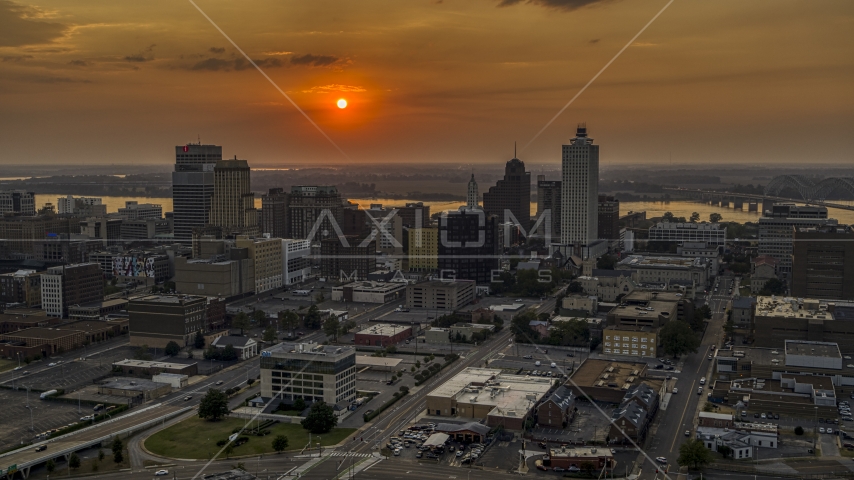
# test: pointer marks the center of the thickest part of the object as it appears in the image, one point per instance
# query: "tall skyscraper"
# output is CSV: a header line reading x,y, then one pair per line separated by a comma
x,y
274,213
471,195
823,262
309,203
580,190
468,245
192,187
548,201
233,203
512,193
18,202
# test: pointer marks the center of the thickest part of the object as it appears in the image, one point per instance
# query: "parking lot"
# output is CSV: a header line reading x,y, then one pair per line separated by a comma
x,y
410,451
15,417
73,373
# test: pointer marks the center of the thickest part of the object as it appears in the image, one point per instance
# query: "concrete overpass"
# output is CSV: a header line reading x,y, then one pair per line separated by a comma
x,y
737,200
22,459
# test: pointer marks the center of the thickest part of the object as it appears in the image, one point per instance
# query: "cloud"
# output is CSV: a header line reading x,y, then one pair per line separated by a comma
x,y
146,56
238,64
217,50
594,41
278,53
79,63
18,26
15,58
314,60
567,5
644,44
334,87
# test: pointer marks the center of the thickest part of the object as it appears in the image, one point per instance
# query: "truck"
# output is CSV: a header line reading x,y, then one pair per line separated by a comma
x,y
47,394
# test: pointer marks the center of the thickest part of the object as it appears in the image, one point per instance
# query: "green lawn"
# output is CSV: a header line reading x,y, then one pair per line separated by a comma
x,y
196,438
7,365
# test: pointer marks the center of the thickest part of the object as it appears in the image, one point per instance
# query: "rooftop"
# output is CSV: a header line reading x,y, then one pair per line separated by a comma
x,y
383,329
470,426
790,307
371,361
150,364
652,309
581,452
814,349
509,395
171,299
41,332
743,302
308,349
688,226
233,340
377,287
640,261
593,373
716,416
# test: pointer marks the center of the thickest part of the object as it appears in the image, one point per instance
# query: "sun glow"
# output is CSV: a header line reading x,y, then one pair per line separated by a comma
x,y
342,103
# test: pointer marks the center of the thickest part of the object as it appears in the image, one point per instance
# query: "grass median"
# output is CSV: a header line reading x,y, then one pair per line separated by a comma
x,y
197,438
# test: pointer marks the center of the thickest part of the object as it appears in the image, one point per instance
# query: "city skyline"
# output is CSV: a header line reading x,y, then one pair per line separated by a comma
x,y
433,82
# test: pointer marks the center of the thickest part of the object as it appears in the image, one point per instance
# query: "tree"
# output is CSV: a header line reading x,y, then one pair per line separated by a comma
x,y
724,450
229,353
694,454
74,461
141,353
172,348
199,340
241,321
289,319
299,404
606,262
799,430
280,443
677,338
773,287
321,418
332,326
260,317
319,298
312,319
270,334
100,454
715,217
214,405
695,217
117,447
50,465
587,467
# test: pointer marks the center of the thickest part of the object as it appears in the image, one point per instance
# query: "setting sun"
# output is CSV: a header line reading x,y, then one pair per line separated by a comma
x,y
342,103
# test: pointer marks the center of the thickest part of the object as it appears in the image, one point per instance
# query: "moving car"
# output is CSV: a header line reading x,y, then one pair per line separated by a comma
x,y
660,459
528,357
188,397
700,392
687,433
703,381
675,390
41,448
219,382
160,473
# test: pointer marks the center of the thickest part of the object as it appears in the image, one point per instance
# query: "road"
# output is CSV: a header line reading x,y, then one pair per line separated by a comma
x,y
669,434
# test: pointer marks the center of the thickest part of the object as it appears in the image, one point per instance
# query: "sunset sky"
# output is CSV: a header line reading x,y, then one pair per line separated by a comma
x,y
106,81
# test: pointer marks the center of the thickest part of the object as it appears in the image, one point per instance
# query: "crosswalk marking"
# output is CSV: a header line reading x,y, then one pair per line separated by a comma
x,y
349,454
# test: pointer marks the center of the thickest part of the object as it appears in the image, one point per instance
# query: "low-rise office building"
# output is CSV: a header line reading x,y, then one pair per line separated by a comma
x,y
580,305
607,381
62,287
437,335
630,340
149,368
221,276
777,319
666,270
48,341
708,233
369,292
296,261
156,320
566,457
488,394
464,331
382,334
440,295
97,310
136,388
266,254
309,371
176,381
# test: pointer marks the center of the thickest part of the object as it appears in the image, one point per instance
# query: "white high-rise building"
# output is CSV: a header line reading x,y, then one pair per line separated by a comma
x,y
471,196
580,191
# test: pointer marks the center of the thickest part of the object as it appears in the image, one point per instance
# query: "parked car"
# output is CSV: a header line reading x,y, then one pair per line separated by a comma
x,y
703,381
687,433
829,430
573,469
762,415
559,469
820,429
675,390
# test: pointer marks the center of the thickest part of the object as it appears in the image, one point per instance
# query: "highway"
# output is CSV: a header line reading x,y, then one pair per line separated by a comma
x,y
668,435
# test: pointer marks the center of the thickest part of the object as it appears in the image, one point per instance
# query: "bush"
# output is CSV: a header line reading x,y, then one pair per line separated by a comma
x,y
799,430
221,443
395,397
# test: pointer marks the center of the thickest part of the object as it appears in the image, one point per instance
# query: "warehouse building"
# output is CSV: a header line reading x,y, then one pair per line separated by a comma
x,y
369,292
382,335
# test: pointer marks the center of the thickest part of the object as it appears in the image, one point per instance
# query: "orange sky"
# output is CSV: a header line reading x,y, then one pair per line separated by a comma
x,y
100,81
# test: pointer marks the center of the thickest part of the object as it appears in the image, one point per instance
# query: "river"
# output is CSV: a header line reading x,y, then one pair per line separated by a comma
x,y
680,208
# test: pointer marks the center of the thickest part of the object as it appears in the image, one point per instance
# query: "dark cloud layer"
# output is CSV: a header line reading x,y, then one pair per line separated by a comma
x,y
559,4
217,50
17,28
313,60
218,64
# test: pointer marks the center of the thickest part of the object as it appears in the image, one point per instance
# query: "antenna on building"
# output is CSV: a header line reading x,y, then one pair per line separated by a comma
x,y
199,137
514,149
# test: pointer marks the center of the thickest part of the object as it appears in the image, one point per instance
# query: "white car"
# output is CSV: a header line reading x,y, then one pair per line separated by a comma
x,y
660,459
537,363
820,429
51,364
829,430
553,365
17,368
160,473
675,390
703,381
